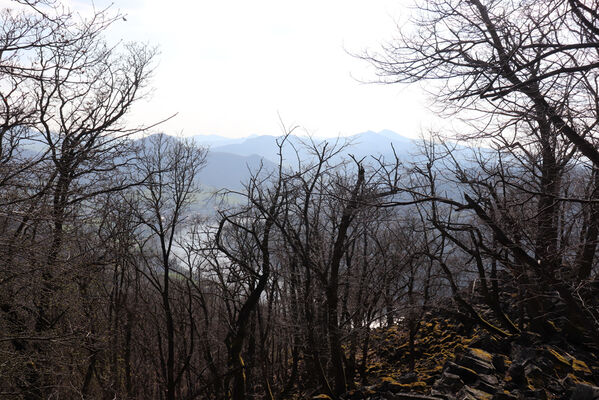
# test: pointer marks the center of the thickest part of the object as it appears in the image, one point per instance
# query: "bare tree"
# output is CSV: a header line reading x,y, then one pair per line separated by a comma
x,y
171,167
538,57
525,78
64,92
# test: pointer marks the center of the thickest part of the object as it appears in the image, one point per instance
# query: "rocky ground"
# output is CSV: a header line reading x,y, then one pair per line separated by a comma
x,y
456,362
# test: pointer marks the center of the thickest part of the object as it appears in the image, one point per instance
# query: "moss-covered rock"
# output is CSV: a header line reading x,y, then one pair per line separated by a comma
x,y
446,360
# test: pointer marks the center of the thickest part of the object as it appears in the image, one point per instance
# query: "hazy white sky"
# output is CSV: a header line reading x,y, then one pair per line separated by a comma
x,y
231,67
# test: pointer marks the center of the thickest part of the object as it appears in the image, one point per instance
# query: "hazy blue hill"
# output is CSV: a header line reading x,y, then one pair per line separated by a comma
x,y
371,143
363,145
265,146
216,140
230,165
227,170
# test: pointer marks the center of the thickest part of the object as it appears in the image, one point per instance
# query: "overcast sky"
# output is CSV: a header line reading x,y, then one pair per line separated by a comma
x,y
232,67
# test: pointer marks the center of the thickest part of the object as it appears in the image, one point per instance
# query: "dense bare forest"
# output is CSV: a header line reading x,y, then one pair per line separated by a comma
x,y
111,287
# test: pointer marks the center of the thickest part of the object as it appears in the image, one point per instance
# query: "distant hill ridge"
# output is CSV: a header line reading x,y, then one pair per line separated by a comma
x,y
232,161
363,144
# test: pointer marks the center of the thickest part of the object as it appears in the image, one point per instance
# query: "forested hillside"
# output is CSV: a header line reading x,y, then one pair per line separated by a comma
x,y
466,271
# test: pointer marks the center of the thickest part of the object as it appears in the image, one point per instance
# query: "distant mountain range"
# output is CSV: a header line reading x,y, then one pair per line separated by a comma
x,y
363,144
230,161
